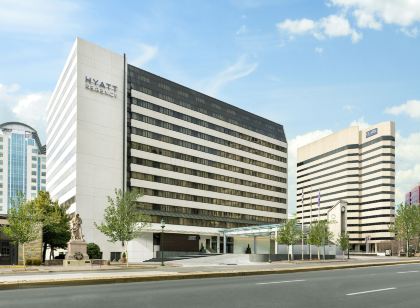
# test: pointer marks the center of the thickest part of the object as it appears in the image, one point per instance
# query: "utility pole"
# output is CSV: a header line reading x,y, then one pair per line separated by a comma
x,y
310,227
302,227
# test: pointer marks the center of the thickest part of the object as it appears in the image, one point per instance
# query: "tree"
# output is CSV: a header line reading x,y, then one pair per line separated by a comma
x,y
55,223
24,226
94,251
417,224
343,242
57,235
319,234
406,223
289,235
122,221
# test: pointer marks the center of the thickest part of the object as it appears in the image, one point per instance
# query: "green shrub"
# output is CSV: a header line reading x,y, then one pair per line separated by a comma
x,y
35,262
94,251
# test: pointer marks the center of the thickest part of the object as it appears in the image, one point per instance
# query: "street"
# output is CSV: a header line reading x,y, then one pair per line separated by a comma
x,y
386,286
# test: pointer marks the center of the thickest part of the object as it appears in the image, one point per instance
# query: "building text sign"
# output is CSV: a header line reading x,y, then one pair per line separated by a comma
x,y
100,86
371,132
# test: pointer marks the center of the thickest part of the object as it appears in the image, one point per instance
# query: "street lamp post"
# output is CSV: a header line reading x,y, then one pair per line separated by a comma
x,y
162,225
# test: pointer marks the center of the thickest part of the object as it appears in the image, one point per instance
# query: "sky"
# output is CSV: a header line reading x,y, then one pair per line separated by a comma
x,y
315,67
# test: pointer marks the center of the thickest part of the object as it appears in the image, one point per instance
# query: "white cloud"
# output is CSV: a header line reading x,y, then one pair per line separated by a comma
x,y
367,14
299,26
7,92
146,53
410,108
28,108
361,123
402,12
39,17
240,69
407,163
336,26
328,27
293,145
31,108
366,20
411,32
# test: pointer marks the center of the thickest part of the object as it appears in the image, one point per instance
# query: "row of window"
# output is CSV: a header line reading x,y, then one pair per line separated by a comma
x,y
391,209
381,147
371,231
201,199
353,169
203,161
390,193
315,187
205,223
42,173
205,187
207,137
199,102
346,162
360,190
203,174
208,214
371,216
206,124
348,147
356,162
201,148
368,224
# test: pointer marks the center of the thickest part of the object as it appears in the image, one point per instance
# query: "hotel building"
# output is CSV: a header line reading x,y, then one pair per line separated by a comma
x,y
22,163
356,166
202,165
413,196
22,171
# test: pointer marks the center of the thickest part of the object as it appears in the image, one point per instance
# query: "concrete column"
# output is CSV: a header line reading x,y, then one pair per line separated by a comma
x,y
275,242
224,243
218,244
255,244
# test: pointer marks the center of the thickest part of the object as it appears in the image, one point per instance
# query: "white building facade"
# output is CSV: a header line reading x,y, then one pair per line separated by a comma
x,y
201,164
355,166
22,164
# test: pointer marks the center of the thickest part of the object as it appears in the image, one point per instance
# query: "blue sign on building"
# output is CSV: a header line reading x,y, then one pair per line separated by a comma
x,y
371,132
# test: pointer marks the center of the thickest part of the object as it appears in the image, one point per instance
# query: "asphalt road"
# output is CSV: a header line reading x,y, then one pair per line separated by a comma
x,y
388,286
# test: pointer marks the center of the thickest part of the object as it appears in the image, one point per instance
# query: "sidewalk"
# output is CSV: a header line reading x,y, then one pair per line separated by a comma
x,y
53,276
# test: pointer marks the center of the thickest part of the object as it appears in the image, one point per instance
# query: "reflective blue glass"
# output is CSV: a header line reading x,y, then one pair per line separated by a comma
x,y
17,166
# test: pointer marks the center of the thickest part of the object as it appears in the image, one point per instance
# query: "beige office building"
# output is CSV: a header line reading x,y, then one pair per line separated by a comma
x,y
356,166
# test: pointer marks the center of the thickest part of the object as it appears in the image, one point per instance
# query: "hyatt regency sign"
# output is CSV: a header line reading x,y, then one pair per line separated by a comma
x,y
100,86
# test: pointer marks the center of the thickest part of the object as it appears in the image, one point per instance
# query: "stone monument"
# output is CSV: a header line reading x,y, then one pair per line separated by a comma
x,y
77,246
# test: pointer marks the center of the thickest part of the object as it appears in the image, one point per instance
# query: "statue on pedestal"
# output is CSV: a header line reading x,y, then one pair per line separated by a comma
x,y
76,247
76,228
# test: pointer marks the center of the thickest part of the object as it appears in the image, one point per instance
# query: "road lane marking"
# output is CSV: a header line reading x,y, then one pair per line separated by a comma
x,y
276,282
370,291
407,272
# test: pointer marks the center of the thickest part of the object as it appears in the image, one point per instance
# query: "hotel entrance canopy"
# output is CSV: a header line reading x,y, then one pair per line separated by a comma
x,y
251,231
259,230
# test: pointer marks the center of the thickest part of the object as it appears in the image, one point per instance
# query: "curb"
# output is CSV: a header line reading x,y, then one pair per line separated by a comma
x,y
109,280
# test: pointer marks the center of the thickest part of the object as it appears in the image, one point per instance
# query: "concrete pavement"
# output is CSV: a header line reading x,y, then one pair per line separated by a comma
x,y
386,286
102,276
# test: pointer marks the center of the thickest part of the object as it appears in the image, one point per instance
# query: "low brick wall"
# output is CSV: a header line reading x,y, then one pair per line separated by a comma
x,y
33,250
56,262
